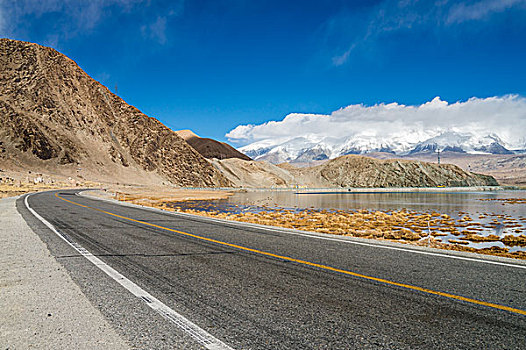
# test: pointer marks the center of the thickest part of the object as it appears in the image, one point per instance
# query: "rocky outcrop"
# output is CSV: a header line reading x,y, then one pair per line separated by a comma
x,y
253,174
359,171
55,117
210,148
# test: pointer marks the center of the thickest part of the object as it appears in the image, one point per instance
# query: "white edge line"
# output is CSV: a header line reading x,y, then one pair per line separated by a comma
x,y
197,333
309,234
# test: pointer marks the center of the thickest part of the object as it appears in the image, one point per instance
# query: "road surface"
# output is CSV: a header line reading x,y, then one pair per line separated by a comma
x,y
211,284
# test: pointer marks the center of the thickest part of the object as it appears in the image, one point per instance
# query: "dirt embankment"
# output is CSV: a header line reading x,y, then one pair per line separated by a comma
x,y
17,183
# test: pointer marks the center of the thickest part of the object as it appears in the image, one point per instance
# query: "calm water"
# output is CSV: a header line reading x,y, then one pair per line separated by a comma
x,y
448,202
454,204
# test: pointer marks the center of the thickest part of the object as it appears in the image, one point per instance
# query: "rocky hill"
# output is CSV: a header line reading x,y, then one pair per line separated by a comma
x,y
210,148
360,171
507,169
350,171
254,174
56,119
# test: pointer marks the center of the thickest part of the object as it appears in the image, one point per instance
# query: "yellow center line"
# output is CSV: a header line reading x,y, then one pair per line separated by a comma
x,y
308,263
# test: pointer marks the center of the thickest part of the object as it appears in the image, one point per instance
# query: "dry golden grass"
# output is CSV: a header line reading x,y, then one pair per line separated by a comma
x,y
402,225
505,200
156,196
18,188
10,190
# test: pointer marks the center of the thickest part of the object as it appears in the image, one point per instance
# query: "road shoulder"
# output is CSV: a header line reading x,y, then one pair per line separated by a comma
x,y
41,305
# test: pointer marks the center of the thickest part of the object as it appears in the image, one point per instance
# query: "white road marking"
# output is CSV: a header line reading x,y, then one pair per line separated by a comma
x,y
197,333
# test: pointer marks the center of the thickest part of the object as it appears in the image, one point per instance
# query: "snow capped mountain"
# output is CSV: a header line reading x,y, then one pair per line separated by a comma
x,y
479,125
463,142
311,148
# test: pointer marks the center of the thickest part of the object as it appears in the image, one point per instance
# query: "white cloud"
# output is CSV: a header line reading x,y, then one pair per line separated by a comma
x,y
504,116
391,16
387,17
341,59
81,17
462,12
155,30
76,16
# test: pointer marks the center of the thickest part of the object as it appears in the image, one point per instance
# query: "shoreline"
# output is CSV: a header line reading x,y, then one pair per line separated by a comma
x,y
214,193
376,225
342,190
403,227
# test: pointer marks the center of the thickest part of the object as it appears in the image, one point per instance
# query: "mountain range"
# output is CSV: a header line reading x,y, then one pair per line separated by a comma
x,y
304,149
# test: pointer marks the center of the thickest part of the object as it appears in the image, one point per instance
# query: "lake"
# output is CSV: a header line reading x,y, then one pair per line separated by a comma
x,y
507,209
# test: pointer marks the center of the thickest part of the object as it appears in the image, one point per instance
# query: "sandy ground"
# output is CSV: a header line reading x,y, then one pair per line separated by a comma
x,y
42,308
10,190
145,195
16,187
157,196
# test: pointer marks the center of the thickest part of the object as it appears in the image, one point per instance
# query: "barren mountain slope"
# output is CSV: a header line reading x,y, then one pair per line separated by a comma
x,y
243,173
359,171
210,148
57,119
506,168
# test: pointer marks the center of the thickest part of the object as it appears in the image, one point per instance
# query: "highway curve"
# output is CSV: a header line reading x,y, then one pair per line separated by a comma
x,y
254,288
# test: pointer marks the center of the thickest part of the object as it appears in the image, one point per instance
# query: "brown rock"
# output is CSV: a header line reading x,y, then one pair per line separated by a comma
x,y
210,148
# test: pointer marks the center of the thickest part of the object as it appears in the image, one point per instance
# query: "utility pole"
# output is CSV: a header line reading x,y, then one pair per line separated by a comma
x,y
438,155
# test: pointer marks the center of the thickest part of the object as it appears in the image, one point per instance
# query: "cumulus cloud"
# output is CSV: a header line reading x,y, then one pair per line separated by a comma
x,y
504,116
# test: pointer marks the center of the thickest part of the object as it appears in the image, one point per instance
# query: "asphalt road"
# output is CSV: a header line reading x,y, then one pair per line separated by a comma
x,y
256,288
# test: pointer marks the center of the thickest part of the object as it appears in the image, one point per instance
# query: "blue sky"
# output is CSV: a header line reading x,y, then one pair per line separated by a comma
x,y
210,66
